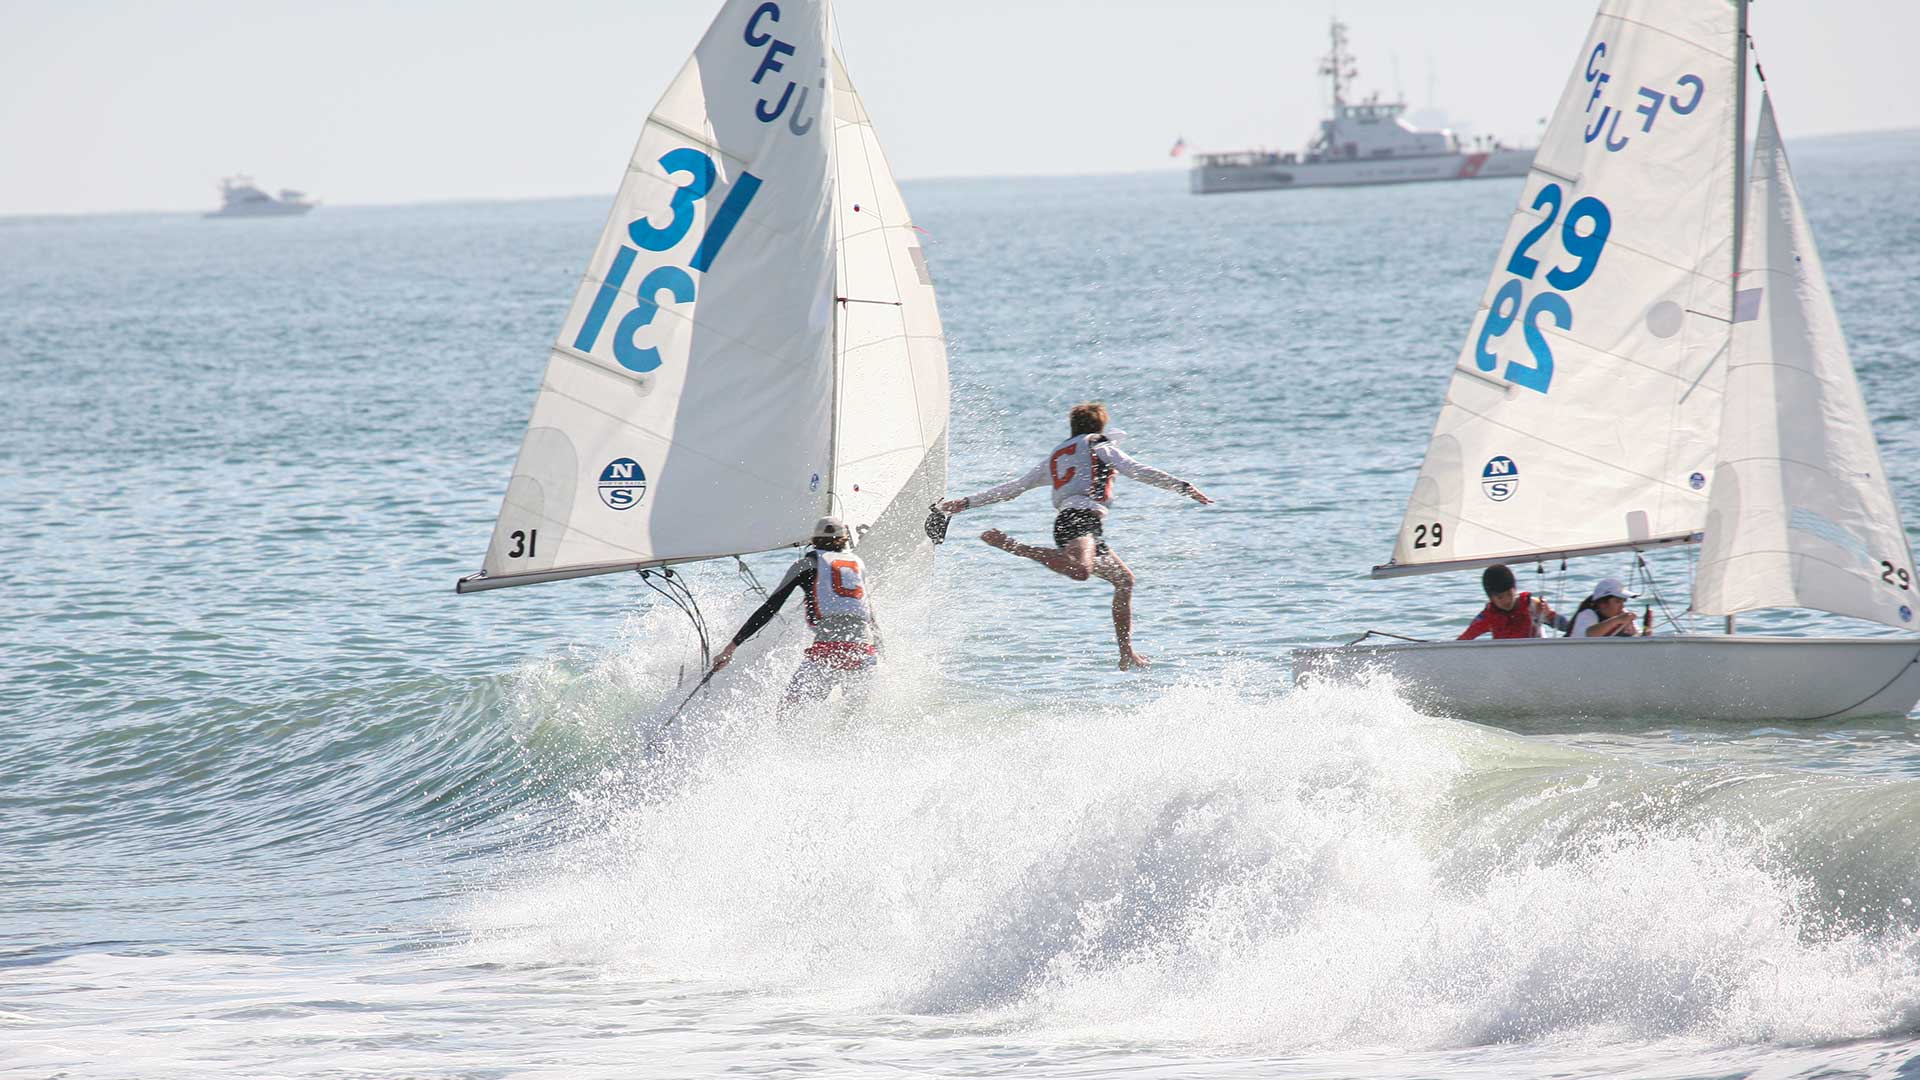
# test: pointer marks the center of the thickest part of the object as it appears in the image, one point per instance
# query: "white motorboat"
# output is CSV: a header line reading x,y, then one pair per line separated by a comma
x,y
1627,385
1360,142
240,197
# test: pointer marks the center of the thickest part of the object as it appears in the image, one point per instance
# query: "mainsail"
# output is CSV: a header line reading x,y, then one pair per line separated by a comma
x,y
701,398
1801,514
1585,402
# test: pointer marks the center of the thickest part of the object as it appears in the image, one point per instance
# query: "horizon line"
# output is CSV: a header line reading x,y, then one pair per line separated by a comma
x,y
486,200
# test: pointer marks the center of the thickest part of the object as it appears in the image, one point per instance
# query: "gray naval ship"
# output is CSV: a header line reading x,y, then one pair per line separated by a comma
x,y
240,198
1367,142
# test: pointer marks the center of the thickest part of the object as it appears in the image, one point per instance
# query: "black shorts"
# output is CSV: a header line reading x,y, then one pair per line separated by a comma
x,y
1070,525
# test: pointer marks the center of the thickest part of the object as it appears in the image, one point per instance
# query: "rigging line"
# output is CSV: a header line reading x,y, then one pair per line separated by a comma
x,y
1560,590
1902,670
1383,633
677,592
672,596
857,300
1692,559
1653,586
687,591
1539,584
747,572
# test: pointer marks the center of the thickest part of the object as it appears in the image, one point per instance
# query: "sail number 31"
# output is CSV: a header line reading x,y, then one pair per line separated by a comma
x,y
699,173
1583,235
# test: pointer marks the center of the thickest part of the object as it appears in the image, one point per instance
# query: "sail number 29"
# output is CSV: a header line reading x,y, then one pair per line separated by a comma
x,y
1895,575
1583,235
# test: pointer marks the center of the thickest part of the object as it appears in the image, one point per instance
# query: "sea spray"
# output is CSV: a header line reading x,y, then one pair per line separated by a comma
x,y
1225,863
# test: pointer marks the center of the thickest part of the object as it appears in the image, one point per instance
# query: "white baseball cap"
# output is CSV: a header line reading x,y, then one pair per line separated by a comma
x,y
831,528
1610,586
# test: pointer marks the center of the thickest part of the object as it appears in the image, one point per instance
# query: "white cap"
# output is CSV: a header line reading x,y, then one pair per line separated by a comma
x,y
830,528
1610,586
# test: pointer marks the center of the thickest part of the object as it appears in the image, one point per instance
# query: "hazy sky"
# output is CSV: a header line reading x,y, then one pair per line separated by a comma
x,y
115,105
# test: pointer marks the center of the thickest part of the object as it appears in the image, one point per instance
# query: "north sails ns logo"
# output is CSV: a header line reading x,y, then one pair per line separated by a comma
x,y
1500,479
623,484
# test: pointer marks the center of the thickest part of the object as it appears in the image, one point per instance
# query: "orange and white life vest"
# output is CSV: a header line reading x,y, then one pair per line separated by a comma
x,y
839,591
1081,479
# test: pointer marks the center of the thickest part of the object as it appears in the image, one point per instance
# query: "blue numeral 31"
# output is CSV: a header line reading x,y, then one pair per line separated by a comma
x,y
699,174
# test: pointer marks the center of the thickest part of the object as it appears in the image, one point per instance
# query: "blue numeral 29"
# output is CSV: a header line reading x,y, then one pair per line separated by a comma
x,y
700,173
1505,310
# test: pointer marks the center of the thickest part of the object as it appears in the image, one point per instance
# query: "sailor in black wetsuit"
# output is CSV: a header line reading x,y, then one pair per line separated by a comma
x,y
832,579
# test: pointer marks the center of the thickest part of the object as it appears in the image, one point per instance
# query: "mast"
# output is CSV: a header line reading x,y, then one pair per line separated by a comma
x,y
1739,138
1338,65
1739,172
837,299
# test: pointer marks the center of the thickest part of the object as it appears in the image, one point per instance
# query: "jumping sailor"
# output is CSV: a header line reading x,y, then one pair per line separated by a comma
x,y
845,636
1081,472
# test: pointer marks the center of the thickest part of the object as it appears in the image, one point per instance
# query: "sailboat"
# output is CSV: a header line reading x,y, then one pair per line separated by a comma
x,y
1656,361
755,343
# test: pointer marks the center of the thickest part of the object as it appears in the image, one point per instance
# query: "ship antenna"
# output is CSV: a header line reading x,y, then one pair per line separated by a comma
x,y
1338,64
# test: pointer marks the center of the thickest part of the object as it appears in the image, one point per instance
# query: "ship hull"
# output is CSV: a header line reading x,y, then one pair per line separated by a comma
x,y
276,210
1743,678
1276,175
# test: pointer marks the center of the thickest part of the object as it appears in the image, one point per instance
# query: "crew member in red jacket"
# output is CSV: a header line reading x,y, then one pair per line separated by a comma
x,y
1510,614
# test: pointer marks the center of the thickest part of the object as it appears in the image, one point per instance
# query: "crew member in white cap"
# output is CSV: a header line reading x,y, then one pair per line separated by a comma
x,y
1604,614
845,636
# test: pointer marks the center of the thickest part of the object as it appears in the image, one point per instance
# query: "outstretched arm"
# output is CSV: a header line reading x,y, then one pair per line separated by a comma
x,y
1033,479
1147,474
800,573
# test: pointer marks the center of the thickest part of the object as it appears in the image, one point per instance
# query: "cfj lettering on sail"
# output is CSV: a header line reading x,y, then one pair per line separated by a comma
x,y
1681,100
760,35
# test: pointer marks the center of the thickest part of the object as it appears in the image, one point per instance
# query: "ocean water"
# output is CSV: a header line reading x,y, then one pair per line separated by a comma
x,y
274,802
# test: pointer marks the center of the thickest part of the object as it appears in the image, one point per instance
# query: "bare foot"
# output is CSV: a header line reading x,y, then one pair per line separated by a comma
x,y
998,539
1130,660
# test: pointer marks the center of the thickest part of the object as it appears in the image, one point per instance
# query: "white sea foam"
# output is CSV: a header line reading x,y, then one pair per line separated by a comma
x,y
1225,864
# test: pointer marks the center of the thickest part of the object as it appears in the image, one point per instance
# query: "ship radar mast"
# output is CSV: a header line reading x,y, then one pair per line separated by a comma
x,y
1337,65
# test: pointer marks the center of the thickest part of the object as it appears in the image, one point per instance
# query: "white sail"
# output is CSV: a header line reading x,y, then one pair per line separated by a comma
x,y
890,447
1801,514
686,410
1584,406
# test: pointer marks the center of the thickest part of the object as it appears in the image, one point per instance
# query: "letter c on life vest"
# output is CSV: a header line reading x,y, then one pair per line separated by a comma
x,y
1053,466
858,591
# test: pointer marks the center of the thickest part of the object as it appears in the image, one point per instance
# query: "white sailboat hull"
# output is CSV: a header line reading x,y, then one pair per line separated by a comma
x,y
1693,677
